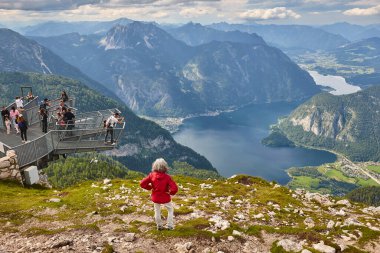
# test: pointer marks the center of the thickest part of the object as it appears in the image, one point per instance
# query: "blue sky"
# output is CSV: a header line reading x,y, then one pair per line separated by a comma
x,y
314,12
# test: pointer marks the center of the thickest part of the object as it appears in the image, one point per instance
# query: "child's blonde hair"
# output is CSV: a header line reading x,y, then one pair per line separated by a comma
x,y
160,165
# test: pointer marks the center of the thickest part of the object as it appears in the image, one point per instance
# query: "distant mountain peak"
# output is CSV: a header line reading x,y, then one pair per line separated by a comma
x,y
135,34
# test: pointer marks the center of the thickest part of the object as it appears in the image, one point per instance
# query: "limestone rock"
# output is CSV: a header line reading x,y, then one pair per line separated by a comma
x,y
130,237
55,200
219,222
309,222
5,164
320,198
206,250
235,232
183,248
62,244
323,248
258,216
344,202
330,224
352,221
290,245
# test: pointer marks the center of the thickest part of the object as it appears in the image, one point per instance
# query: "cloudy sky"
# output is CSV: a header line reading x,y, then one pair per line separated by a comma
x,y
20,12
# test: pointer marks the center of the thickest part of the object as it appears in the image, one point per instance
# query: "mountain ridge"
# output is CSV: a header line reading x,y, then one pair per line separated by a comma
x,y
164,79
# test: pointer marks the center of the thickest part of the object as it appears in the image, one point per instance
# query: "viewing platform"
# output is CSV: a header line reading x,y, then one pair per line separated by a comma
x,y
85,135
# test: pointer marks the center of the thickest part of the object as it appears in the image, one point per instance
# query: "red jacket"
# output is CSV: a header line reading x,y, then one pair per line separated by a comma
x,y
162,186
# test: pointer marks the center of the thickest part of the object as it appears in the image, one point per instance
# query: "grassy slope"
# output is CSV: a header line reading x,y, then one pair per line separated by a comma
x,y
93,207
328,178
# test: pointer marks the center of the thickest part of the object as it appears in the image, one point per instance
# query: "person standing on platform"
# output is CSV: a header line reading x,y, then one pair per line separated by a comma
x,y
64,96
13,114
4,113
110,124
8,124
70,120
19,103
30,96
44,119
23,126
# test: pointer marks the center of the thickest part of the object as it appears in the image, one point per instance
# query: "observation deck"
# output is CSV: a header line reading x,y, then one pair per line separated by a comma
x,y
87,134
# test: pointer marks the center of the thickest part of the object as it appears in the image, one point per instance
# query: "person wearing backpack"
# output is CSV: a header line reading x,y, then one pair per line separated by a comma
x,y
163,187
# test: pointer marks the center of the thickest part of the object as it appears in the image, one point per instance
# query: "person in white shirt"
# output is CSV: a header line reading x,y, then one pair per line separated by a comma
x,y
19,102
110,124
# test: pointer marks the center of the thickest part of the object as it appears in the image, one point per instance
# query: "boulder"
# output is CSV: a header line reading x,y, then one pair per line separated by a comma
x,y
130,237
352,221
344,202
219,222
183,248
62,244
4,164
330,224
290,245
323,248
309,222
55,200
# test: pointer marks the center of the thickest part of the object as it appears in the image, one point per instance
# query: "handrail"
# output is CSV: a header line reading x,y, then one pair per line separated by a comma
x,y
30,152
87,133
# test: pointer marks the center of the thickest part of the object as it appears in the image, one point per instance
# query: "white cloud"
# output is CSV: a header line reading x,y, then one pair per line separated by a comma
x,y
193,12
364,3
264,14
375,10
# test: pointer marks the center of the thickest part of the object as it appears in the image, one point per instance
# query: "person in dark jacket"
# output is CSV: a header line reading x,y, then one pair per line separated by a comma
x,y
44,119
163,187
4,113
23,126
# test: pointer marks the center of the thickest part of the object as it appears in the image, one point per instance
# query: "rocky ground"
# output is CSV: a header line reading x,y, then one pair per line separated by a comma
x,y
240,214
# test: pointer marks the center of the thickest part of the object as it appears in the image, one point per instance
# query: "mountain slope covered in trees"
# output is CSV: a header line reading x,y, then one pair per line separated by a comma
x,y
348,124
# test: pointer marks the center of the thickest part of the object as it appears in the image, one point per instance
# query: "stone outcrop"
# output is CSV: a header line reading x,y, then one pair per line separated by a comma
x,y
9,168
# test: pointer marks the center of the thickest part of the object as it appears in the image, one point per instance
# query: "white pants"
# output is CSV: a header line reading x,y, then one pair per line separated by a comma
x,y
157,214
15,124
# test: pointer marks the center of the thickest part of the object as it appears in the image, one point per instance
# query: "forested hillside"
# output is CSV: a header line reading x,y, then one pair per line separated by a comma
x,y
367,195
348,124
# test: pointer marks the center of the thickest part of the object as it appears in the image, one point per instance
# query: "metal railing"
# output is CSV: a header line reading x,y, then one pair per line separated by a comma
x,y
32,103
86,134
64,141
31,110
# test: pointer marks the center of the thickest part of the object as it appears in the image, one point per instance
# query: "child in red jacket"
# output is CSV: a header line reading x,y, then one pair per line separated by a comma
x,y
162,186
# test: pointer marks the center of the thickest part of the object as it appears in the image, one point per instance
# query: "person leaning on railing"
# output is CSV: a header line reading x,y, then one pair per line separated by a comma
x,y
110,123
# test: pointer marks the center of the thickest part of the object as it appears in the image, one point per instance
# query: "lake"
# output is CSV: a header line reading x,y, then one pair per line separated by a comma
x,y
232,143
338,83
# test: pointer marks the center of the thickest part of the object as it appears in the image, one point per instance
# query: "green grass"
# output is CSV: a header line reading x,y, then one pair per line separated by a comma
x,y
190,228
374,168
304,182
369,182
339,176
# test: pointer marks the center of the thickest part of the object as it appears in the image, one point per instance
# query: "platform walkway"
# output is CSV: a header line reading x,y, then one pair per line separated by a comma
x,y
87,134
